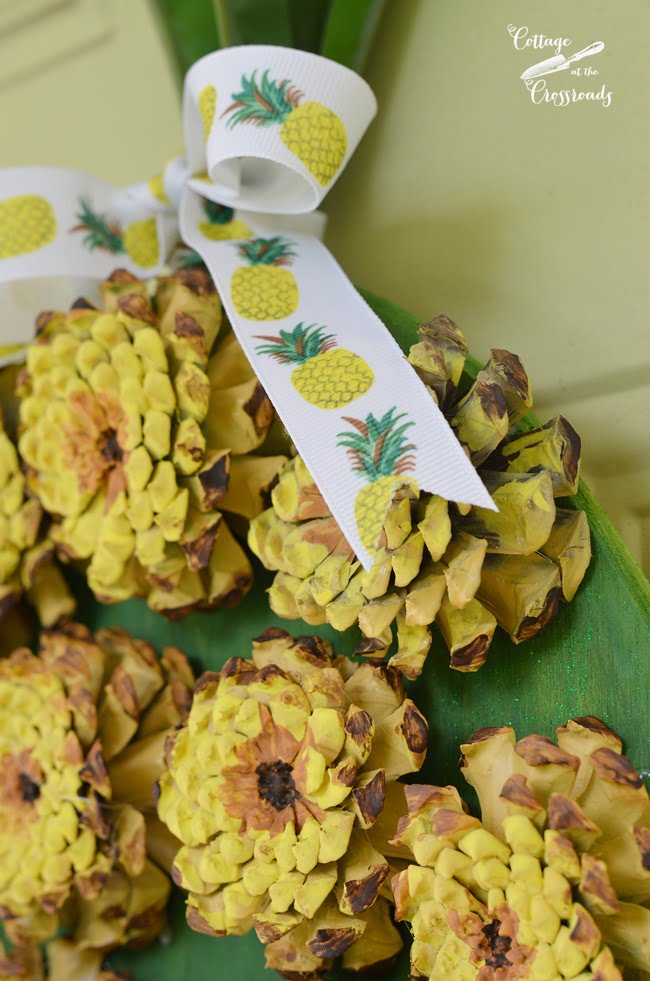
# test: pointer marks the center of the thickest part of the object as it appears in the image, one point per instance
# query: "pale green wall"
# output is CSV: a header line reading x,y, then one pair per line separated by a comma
x,y
88,85
528,224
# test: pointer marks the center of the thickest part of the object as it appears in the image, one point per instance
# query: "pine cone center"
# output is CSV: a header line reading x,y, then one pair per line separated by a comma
x,y
111,450
498,946
275,784
29,789
21,779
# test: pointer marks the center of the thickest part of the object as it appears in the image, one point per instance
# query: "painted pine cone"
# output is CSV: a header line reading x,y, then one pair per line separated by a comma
x,y
279,787
137,426
553,883
28,569
467,569
22,963
60,960
83,723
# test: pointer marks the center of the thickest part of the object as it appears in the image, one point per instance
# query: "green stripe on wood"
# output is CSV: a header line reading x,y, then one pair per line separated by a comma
x,y
254,22
342,30
308,22
350,31
188,29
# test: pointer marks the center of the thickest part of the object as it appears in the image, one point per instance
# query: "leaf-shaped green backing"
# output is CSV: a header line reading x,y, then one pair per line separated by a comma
x,y
593,659
342,30
350,31
189,30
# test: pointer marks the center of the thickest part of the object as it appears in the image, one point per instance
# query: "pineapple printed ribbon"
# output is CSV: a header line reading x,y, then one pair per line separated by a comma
x,y
267,130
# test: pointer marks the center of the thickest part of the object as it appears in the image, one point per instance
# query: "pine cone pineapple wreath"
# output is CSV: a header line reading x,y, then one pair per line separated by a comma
x,y
552,883
282,786
465,568
141,424
83,725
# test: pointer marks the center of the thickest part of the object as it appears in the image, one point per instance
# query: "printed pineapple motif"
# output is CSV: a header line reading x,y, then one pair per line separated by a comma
x,y
207,108
221,225
309,130
27,223
378,450
326,375
139,239
141,242
263,290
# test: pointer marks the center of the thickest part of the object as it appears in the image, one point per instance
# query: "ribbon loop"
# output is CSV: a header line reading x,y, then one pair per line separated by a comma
x,y
272,127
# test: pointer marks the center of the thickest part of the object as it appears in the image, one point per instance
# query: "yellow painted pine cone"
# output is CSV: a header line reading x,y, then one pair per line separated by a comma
x,y
281,787
464,569
22,963
28,569
82,732
61,960
140,426
553,883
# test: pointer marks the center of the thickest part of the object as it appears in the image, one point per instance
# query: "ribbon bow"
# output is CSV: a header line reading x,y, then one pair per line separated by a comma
x,y
267,130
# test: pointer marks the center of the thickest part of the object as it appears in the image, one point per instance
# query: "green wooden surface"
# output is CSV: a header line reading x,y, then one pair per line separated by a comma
x,y
592,660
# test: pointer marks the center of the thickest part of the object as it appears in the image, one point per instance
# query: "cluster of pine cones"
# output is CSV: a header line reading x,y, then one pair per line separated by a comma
x,y
146,449
142,452
271,793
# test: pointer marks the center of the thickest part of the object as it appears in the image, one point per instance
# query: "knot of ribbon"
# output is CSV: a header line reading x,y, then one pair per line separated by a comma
x,y
267,132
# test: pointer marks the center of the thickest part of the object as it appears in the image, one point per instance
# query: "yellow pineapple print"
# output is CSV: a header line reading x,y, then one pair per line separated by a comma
x,y
309,130
27,223
157,190
263,289
326,375
378,450
139,239
207,108
221,226
141,242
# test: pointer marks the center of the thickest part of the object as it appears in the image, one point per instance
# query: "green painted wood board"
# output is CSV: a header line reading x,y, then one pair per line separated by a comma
x,y
594,659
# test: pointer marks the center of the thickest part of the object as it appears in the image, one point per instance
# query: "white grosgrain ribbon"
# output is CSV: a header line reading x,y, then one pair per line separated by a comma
x,y
267,131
